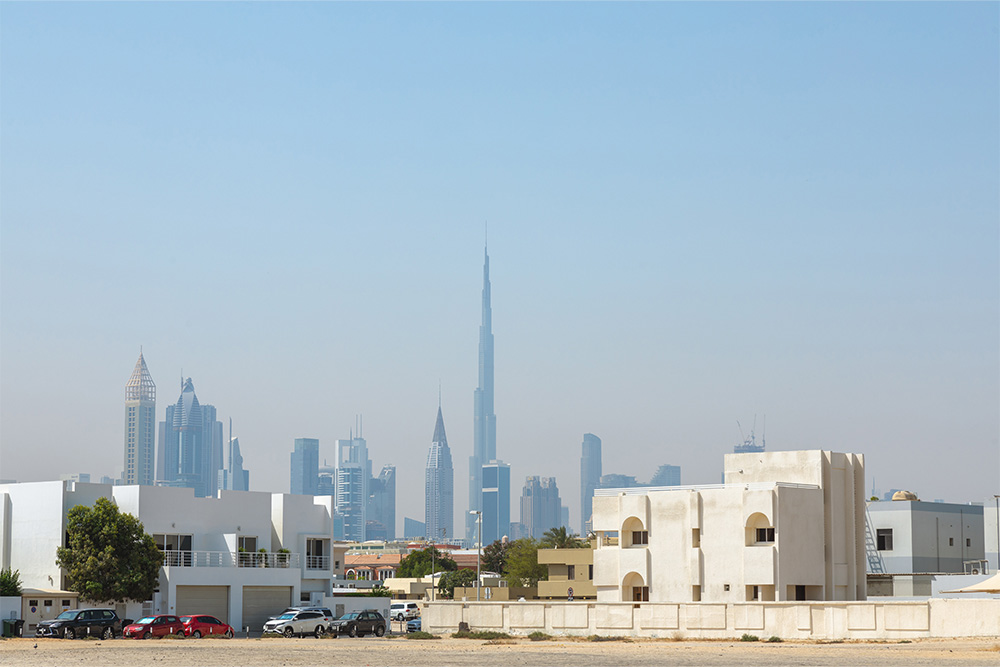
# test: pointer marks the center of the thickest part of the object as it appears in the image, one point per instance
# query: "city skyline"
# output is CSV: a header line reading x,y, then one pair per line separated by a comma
x,y
697,213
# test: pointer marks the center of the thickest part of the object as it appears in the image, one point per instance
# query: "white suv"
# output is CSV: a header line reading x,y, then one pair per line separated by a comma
x,y
299,623
403,611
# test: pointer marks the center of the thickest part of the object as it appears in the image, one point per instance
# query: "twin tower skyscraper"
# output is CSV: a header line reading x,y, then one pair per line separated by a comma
x,y
490,503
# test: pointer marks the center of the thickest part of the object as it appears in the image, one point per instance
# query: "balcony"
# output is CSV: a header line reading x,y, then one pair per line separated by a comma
x,y
229,559
317,562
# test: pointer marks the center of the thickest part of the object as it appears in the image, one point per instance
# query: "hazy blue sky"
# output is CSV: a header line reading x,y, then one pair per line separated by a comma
x,y
697,213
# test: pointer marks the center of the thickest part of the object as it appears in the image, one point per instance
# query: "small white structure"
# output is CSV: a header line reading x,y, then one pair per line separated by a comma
x,y
784,526
241,556
914,536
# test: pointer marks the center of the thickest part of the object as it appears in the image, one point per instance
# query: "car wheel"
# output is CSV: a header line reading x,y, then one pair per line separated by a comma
x,y
229,634
69,634
148,635
379,631
399,617
196,634
353,631
289,632
319,631
108,634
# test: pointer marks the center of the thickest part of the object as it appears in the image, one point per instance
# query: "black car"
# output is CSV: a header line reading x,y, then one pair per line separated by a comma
x,y
359,624
103,623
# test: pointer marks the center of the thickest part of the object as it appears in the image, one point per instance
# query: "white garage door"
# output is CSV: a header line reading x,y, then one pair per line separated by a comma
x,y
210,600
262,602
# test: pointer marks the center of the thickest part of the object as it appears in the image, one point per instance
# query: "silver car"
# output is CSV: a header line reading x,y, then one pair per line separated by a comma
x,y
297,623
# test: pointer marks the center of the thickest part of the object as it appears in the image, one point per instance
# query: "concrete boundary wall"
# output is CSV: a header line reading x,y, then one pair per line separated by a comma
x,y
871,620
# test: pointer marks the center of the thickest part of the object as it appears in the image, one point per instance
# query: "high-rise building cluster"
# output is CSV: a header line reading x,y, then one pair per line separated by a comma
x,y
189,451
365,505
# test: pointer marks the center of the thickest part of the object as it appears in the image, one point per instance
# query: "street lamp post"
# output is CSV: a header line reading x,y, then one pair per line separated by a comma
x,y
996,499
479,549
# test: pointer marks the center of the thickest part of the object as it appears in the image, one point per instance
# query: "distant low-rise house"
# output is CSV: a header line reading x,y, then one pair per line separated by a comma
x,y
571,574
913,536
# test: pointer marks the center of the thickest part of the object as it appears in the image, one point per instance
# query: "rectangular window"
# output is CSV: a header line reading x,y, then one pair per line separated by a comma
x,y
571,572
590,572
640,537
48,603
725,587
32,603
883,539
640,594
65,603
951,541
695,537
765,535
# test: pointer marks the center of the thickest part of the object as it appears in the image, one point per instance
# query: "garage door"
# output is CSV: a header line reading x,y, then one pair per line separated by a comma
x,y
210,600
262,602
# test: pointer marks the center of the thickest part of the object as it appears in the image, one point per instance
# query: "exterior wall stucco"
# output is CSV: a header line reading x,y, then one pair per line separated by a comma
x,y
934,618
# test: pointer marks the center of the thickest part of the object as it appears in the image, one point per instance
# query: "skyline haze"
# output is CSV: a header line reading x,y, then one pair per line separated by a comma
x,y
697,213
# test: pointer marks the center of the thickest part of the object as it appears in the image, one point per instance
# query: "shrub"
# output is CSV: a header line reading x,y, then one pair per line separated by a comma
x,y
774,639
10,582
604,638
420,634
537,636
749,638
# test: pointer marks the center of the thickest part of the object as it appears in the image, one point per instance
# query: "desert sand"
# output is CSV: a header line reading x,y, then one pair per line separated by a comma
x,y
479,653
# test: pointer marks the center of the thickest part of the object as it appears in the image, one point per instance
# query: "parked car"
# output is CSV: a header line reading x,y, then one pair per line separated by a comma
x,y
359,624
199,626
403,611
327,614
301,623
413,625
155,626
103,623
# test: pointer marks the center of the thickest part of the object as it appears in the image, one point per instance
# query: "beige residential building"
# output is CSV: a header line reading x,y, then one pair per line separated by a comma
x,y
784,526
571,572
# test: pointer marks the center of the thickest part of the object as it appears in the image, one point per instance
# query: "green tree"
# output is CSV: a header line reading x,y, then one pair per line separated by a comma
x,y
560,538
10,583
449,580
419,563
495,556
110,556
522,564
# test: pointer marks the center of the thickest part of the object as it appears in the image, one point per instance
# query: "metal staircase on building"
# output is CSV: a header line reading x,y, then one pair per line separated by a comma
x,y
875,563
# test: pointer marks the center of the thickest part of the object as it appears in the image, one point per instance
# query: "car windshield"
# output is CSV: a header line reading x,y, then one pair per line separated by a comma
x,y
350,616
186,619
67,615
145,621
285,617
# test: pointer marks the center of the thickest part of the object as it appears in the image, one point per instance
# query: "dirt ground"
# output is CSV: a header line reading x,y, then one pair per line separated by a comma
x,y
478,653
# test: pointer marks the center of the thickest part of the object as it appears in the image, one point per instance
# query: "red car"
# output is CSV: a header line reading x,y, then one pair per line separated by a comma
x,y
154,626
201,626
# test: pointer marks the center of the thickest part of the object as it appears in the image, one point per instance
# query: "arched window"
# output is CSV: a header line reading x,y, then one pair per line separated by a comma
x,y
759,531
633,533
634,588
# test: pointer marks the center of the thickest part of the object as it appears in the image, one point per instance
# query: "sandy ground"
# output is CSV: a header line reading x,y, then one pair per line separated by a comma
x,y
447,651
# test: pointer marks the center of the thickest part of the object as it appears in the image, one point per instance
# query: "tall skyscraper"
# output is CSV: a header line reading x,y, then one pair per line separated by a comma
x,y
590,479
233,477
305,467
541,508
484,420
353,473
191,444
140,425
495,501
666,475
439,486
381,522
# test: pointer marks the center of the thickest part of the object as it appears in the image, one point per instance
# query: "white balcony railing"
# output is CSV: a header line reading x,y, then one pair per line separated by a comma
x,y
229,559
317,562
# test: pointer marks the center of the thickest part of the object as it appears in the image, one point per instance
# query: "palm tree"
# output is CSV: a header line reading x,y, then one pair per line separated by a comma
x,y
560,538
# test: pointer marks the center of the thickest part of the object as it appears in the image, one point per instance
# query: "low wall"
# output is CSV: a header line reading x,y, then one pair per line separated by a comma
x,y
707,620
